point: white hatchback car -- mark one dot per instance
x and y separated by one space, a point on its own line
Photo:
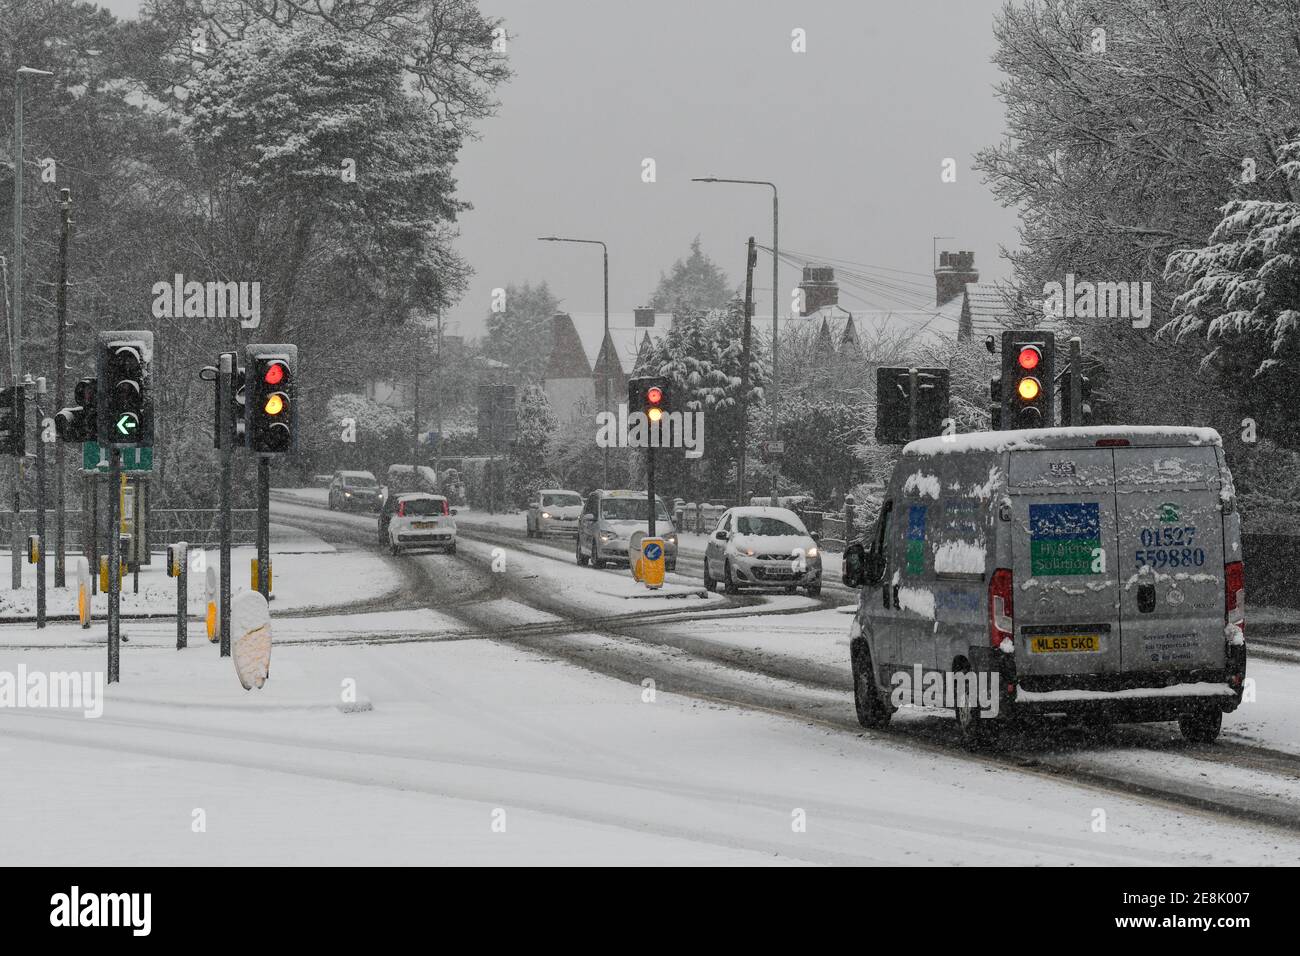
420 520
762 547
553 510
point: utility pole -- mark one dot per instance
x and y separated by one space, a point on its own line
60 363
751 259
1075 398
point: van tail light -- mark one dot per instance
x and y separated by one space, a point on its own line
1112 443
401 509
1001 608
445 507
1234 585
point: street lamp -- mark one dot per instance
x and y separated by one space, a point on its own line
605 339
16 355
776 261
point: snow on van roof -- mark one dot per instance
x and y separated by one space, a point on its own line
1082 437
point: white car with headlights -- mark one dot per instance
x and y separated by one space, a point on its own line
762 547
611 518
553 511
419 520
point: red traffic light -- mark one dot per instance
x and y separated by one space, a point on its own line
274 374
1029 357
654 395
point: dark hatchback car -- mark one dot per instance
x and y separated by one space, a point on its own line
354 491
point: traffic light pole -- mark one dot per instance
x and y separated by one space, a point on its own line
1075 398
16 532
751 260
225 376
264 526
913 382
114 565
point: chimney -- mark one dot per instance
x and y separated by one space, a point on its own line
819 288
954 272
643 318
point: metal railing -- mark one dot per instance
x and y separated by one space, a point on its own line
199 526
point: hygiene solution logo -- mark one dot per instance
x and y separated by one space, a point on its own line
59 690
637 430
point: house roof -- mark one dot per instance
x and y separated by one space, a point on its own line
567 358
626 338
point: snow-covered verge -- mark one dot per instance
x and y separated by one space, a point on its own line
479 753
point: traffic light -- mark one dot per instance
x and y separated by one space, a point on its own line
237 401
269 394
78 422
894 403
651 395
124 407
995 410
1028 379
13 421
1085 390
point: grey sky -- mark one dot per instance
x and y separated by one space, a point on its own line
853 132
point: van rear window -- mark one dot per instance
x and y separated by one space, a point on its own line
1166 467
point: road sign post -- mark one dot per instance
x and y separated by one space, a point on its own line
40 502
225 381
114 565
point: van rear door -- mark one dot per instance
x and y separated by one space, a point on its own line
1170 558
1065 578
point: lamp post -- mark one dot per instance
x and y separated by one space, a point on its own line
605 339
776 262
16 355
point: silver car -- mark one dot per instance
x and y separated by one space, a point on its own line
553 511
762 547
610 518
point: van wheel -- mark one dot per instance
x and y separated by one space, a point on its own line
976 731
577 553
1201 726
728 580
873 710
814 590
710 582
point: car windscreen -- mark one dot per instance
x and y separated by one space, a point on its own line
360 481
764 526
420 506
630 509
560 501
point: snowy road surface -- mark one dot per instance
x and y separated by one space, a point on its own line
502 730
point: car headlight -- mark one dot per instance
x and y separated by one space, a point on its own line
347 494
546 514
671 539
606 535
748 552
811 552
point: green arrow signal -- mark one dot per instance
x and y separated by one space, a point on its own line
126 423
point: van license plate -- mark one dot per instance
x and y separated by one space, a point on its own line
1076 643
424 525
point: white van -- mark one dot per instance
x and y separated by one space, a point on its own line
1095 572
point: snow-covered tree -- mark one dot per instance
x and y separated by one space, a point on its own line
695 283
520 335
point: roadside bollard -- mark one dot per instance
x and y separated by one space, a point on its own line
213 605
178 567
250 625
83 591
